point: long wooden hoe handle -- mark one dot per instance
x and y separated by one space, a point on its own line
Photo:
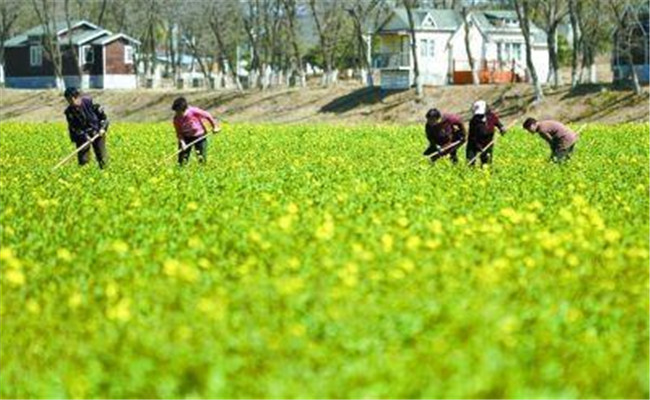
510 125
83 146
444 149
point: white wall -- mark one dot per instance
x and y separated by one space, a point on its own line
541 62
434 68
120 81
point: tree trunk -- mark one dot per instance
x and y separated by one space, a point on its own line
416 69
522 8
50 38
468 49
630 61
71 47
290 9
554 71
575 51
102 10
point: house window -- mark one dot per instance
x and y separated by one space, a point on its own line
427 47
128 54
88 54
516 50
36 56
424 47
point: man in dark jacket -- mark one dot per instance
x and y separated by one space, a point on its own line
86 120
481 133
445 133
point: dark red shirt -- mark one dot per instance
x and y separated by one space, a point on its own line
449 129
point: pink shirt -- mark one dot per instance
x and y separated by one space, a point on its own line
191 123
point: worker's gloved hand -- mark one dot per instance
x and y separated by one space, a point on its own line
216 129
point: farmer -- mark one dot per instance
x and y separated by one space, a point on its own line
86 120
481 133
445 133
561 139
188 122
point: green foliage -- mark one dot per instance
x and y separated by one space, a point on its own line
321 261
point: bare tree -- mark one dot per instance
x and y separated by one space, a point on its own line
195 24
252 20
627 44
71 50
46 13
328 18
222 27
409 5
9 12
102 12
467 24
366 15
553 12
577 41
290 10
523 13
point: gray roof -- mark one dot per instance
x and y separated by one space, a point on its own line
107 39
442 19
77 37
82 37
492 21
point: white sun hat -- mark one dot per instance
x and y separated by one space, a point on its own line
479 107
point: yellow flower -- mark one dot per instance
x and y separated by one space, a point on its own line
387 242
408 266
192 206
15 277
298 330
121 311
435 226
292 208
111 290
511 215
120 247
214 308
64 254
74 300
33 307
350 274
413 243
290 286
285 222
6 253
195 242
326 230
612 235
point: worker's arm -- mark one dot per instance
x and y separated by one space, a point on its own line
101 115
204 115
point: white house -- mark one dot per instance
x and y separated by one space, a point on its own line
434 29
496 45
